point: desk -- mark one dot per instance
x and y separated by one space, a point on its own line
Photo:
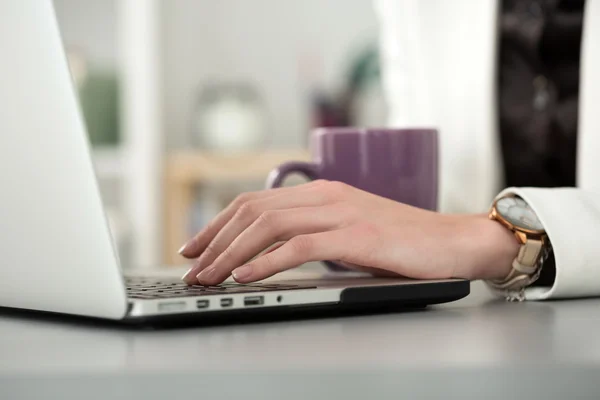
474 348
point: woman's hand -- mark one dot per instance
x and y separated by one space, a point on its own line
325 220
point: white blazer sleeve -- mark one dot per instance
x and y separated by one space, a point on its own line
571 218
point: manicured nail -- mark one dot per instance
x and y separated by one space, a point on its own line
205 274
242 272
188 277
189 246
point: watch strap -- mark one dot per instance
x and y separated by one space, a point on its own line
525 269
527 265
526 261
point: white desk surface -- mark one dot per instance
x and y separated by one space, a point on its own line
478 347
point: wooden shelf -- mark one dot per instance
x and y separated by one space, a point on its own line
185 171
202 167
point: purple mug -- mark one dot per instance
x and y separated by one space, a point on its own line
400 164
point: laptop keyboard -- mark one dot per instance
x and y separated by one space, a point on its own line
153 288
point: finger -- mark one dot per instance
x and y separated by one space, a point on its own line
246 216
273 248
271 227
269 249
195 246
297 251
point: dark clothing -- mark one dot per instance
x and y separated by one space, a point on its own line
538 87
538 83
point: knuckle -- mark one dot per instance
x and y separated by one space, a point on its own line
319 182
213 249
337 189
242 199
272 224
268 220
211 228
348 211
302 244
229 252
247 210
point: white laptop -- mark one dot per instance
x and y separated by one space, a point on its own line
55 245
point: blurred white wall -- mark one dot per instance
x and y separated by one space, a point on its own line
90 25
267 42
283 47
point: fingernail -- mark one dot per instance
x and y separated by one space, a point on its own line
188 276
189 246
242 272
205 274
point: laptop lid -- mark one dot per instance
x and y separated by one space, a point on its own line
56 252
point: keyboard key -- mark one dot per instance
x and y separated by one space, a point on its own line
142 288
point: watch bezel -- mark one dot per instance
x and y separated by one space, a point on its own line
498 217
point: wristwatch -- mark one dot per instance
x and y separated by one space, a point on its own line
516 215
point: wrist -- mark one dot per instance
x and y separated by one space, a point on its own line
488 247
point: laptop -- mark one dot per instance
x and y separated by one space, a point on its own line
57 252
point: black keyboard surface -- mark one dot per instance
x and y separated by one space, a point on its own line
156 288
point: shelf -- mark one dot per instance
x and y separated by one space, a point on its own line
194 167
186 170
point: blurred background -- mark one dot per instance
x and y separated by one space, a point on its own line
190 102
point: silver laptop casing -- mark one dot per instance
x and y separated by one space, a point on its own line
56 247
57 252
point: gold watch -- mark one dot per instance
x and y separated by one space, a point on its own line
516 215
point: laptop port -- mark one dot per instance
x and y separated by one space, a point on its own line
171 306
202 304
254 300
227 302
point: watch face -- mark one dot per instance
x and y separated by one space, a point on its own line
517 212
